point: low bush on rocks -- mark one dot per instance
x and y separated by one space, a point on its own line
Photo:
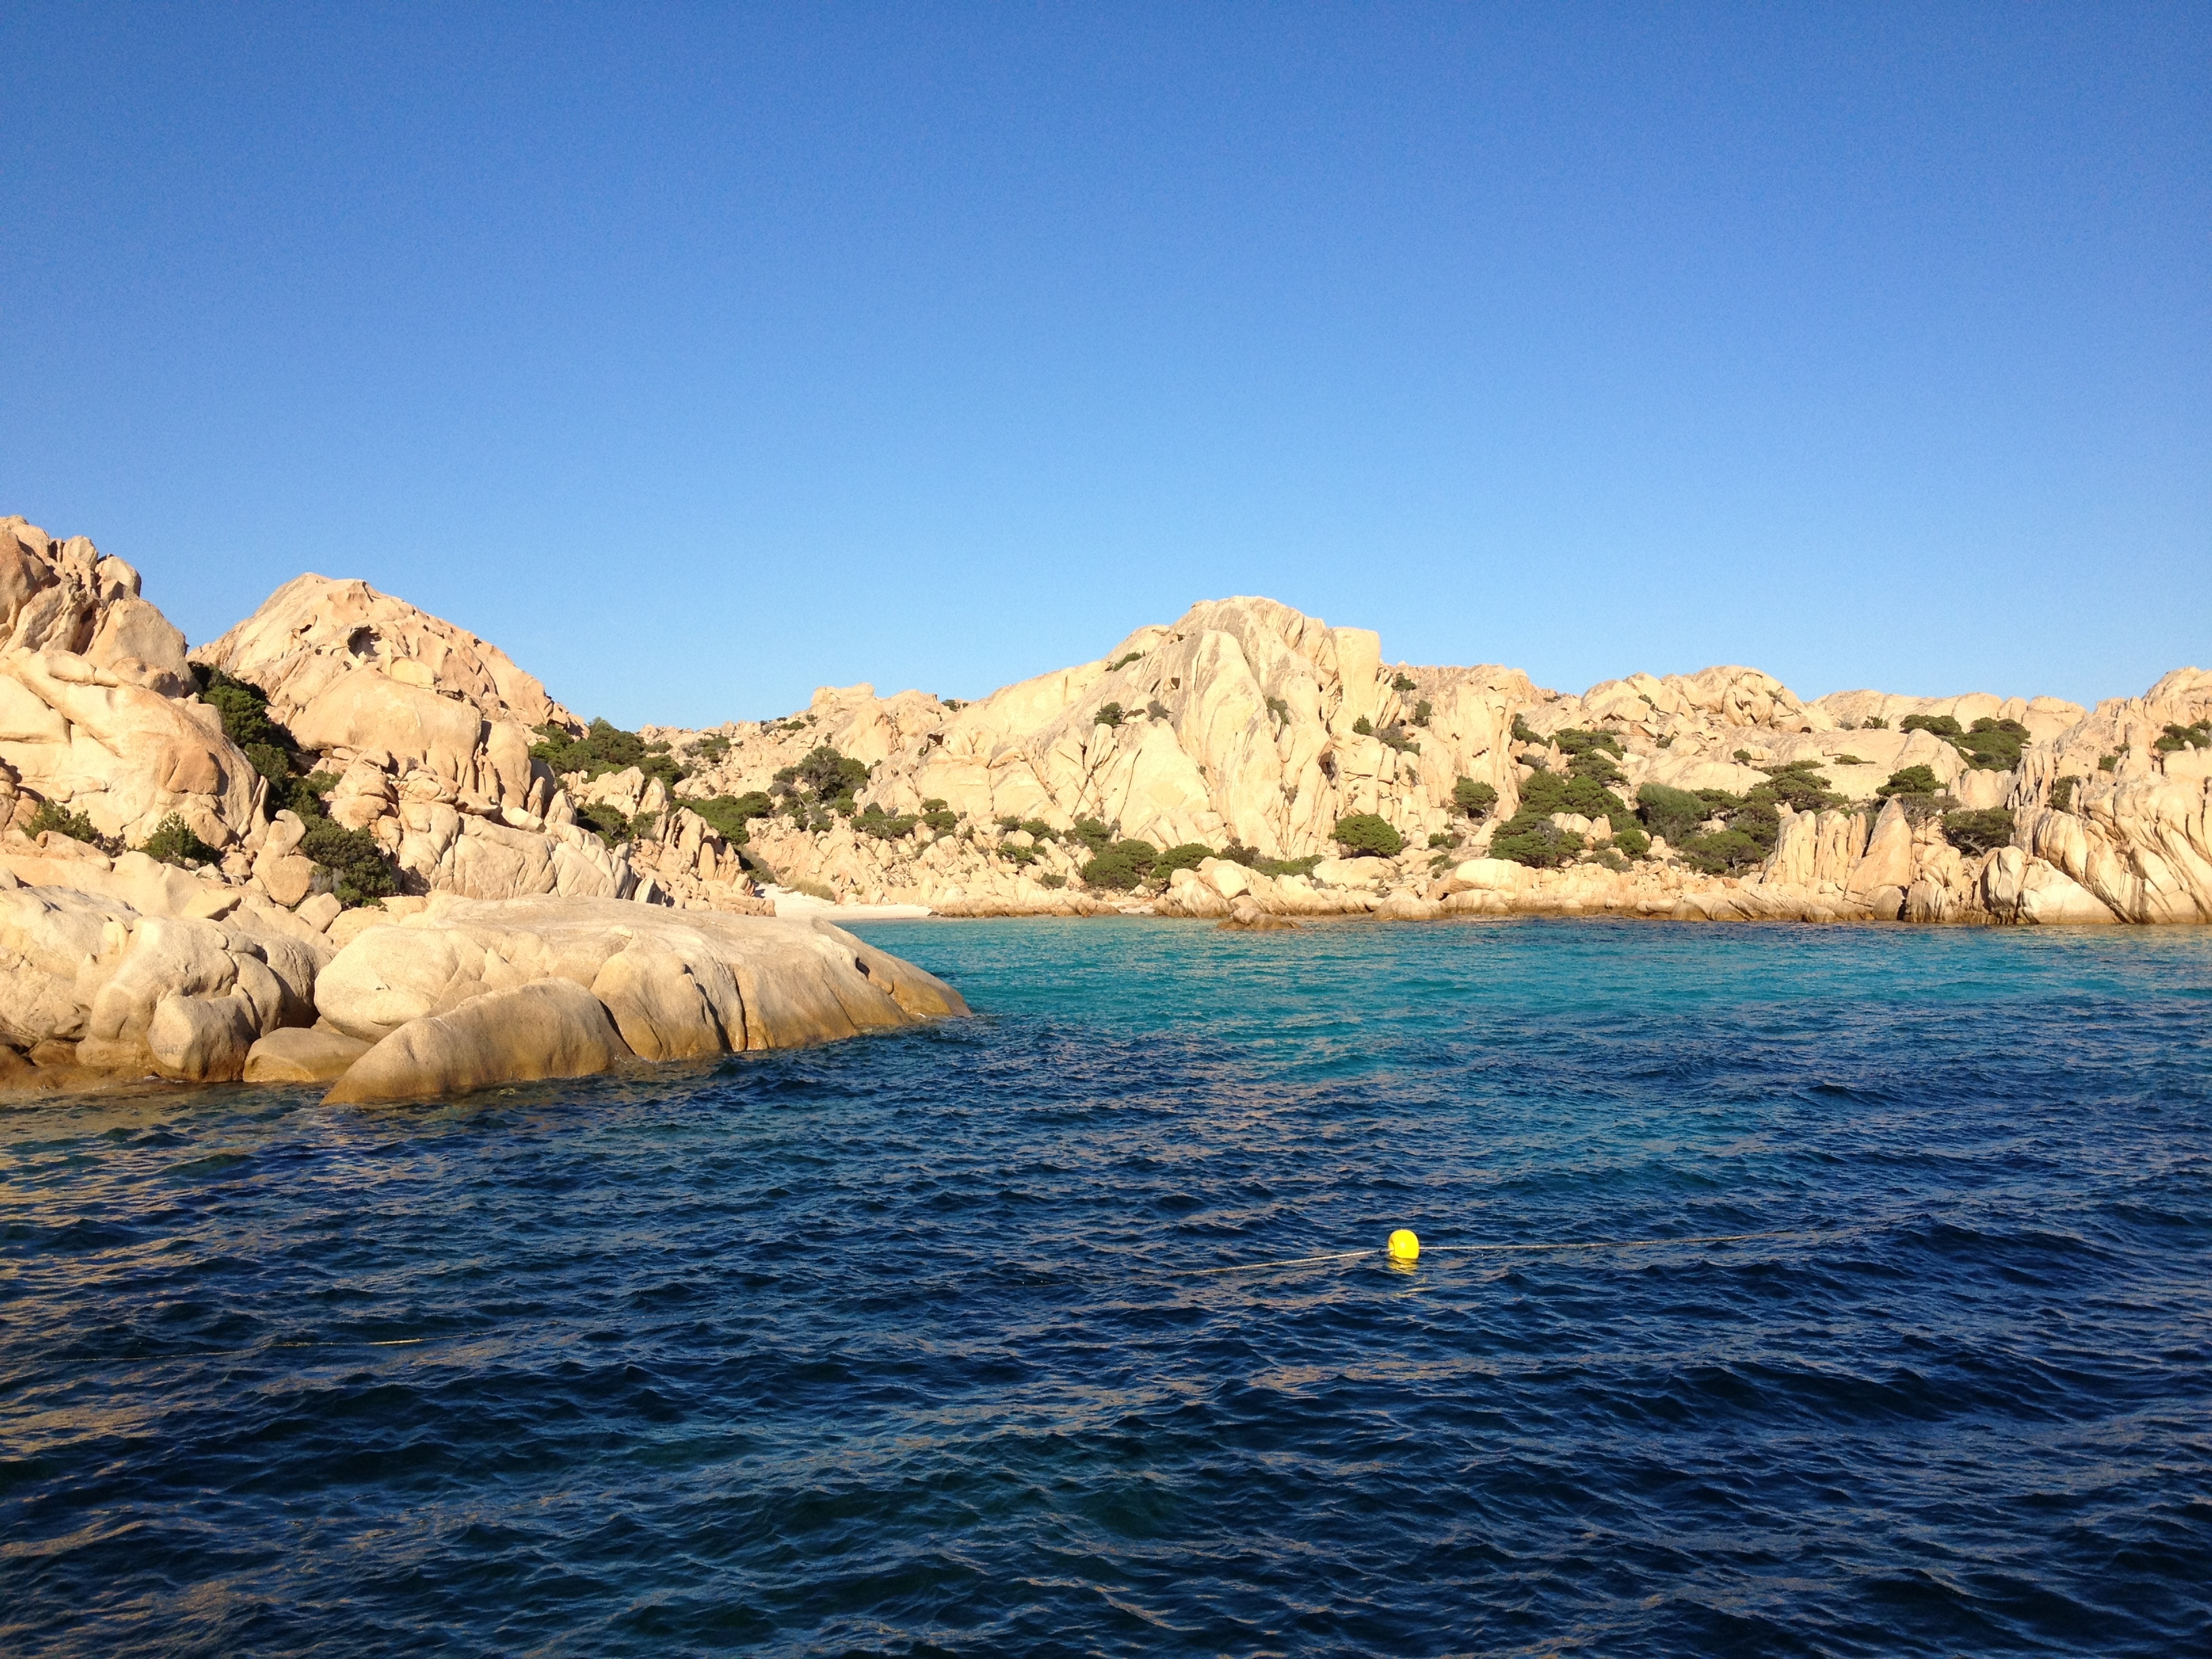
57 819
1801 786
1187 856
710 749
1364 727
1394 736
1108 714
873 820
1423 712
1359 833
1402 684
1910 780
1476 799
2062 794
606 821
1522 733
938 817
2198 736
1990 746
1093 833
729 814
1120 663
1121 866
1535 840
354 861
1304 866
1977 832
604 748
173 842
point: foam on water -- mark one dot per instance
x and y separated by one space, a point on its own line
895 1345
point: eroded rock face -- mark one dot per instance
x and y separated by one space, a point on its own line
97 710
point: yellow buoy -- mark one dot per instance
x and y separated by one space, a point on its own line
1404 1245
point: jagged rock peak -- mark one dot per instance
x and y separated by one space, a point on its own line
316 630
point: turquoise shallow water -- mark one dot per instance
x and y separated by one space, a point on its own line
901 1345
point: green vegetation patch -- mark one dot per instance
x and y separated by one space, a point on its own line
54 817
2198 736
604 748
729 814
1975 832
1360 833
173 842
1477 800
1121 866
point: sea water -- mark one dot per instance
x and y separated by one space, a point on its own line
916 1344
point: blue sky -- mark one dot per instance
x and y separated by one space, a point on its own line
700 356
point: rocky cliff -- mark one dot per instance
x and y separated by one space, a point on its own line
186 846
1249 732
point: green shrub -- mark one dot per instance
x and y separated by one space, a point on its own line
938 817
1673 813
730 813
244 709
1633 841
1188 856
54 817
1394 736
1423 712
1535 842
2062 794
2107 763
1038 829
1121 865
1304 866
1991 745
1109 715
1848 759
1942 725
605 820
873 820
711 749
1361 833
1804 788
1574 740
1873 723
1120 663
2198 736
604 748
1018 855
1977 832
1364 727
1443 838
1093 833
1522 733
1052 881
1280 709
1743 758
1909 781
1402 684
173 842
353 860
1476 799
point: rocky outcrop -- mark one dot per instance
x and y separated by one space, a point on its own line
97 710
1246 725
474 991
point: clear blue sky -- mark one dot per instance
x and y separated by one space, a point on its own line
701 356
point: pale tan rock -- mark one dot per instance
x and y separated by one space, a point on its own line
320 910
661 1008
794 982
296 1055
314 631
194 1039
551 1028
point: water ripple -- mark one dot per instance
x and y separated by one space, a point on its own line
902 1346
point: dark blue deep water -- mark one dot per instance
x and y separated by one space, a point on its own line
902 1346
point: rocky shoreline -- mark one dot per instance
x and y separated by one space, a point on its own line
344 842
